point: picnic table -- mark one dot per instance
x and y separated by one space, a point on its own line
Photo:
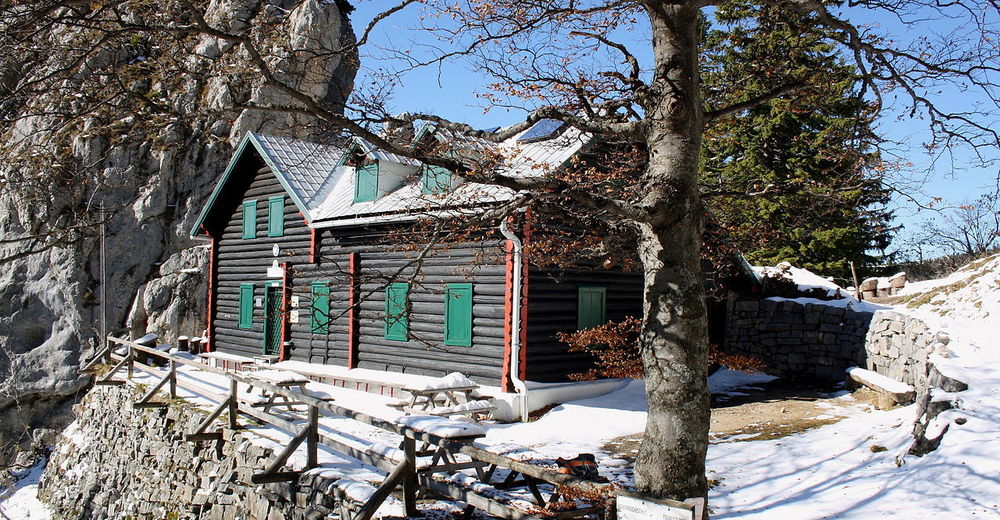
453 394
280 378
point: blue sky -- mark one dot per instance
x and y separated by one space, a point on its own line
449 90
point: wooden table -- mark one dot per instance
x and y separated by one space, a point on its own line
280 378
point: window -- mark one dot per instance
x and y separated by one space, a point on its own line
397 324
590 307
319 322
435 180
276 216
246 305
250 219
458 314
366 182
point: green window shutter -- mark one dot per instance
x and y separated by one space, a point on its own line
319 322
458 314
250 219
276 216
246 305
590 307
397 323
435 180
366 183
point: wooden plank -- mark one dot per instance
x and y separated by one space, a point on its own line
149 404
382 492
280 476
487 505
204 436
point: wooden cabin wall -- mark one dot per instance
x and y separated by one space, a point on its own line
425 353
247 260
552 308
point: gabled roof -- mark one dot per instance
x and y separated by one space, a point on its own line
306 170
322 186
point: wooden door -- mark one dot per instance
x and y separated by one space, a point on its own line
272 320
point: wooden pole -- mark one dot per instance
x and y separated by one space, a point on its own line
312 441
173 379
233 404
410 477
857 284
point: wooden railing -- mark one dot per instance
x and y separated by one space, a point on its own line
556 495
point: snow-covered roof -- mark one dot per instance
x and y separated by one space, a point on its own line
322 185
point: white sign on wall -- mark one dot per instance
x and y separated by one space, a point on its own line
293 316
634 508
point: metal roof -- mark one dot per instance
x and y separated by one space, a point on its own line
322 187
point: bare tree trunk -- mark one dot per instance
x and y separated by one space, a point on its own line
675 333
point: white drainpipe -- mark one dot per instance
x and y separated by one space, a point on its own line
515 319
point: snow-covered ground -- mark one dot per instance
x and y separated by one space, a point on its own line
853 469
21 502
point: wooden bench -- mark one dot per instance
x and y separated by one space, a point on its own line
280 378
889 392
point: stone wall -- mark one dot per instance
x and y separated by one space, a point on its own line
115 462
798 339
898 345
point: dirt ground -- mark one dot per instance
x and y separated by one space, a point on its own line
765 411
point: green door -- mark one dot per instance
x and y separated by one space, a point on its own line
272 320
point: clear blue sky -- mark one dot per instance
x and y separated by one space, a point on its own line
449 90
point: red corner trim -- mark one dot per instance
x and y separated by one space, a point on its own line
283 352
213 282
508 304
313 246
352 311
525 239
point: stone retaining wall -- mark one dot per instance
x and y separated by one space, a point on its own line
798 339
114 462
897 346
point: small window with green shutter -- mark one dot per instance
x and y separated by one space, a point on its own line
276 216
458 314
366 182
250 219
435 180
397 323
590 307
246 305
319 322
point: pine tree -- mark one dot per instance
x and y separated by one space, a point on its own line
796 179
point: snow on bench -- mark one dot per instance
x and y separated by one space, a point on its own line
394 454
359 493
889 390
441 427
452 381
469 408
279 377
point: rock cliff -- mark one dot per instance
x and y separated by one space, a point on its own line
125 107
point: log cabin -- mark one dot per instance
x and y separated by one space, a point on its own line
310 261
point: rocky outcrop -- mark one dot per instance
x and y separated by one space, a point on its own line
149 154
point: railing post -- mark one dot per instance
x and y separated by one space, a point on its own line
173 379
312 441
410 476
233 404
107 351
130 355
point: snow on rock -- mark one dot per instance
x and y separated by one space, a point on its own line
805 279
869 378
20 501
440 426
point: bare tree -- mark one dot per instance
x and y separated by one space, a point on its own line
970 229
568 61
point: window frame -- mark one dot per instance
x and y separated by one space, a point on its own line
397 317
370 169
245 318
319 289
583 312
250 227
448 336
435 173
276 220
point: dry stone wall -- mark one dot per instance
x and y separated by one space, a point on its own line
114 462
897 346
795 339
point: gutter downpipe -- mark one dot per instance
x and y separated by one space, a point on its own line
515 319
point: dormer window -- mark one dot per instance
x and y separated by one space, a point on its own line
365 177
435 180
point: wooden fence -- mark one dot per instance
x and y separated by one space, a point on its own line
555 495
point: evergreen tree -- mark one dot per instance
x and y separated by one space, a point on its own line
798 178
